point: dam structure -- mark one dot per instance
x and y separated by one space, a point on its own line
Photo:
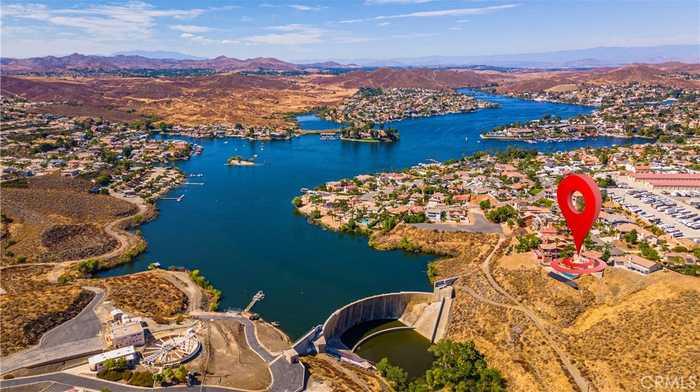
425 312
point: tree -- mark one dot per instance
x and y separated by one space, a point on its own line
648 252
696 252
485 204
631 237
396 376
88 266
502 214
168 374
527 243
181 373
158 379
460 367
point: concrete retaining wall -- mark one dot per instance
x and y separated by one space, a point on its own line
377 307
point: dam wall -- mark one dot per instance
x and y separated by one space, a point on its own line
406 306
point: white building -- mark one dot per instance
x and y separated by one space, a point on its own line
128 353
128 333
637 264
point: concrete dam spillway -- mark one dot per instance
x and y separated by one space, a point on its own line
425 312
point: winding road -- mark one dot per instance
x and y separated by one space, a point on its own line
74 338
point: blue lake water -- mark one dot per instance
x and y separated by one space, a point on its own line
240 229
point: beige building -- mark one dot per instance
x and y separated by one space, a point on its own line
637 264
129 333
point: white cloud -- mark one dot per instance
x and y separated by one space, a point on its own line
302 7
131 20
191 28
456 28
436 13
382 24
292 34
200 39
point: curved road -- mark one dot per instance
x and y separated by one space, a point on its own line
75 337
286 377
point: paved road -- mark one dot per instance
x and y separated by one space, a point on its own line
74 338
95 384
85 325
286 377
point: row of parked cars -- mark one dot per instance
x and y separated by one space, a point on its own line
665 205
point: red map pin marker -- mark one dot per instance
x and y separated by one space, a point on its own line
579 222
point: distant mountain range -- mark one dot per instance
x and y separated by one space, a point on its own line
579 58
159 54
80 62
161 60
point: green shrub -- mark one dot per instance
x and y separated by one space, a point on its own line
88 266
527 243
141 379
502 214
113 375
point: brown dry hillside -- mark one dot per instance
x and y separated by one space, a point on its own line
410 78
222 98
611 330
54 218
658 74
145 294
32 305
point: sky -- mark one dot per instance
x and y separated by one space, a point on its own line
351 29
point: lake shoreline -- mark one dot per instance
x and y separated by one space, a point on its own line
227 245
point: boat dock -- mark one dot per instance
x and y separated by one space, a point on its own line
177 199
259 296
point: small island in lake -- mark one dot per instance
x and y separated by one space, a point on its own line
238 160
367 132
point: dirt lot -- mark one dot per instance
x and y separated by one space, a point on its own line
55 219
328 374
146 294
272 338
227 359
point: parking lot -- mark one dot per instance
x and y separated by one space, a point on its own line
673 216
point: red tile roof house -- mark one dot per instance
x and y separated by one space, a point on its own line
669 180
548 251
